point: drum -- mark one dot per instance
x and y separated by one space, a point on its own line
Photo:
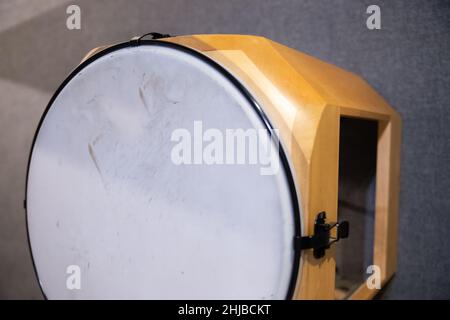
202 167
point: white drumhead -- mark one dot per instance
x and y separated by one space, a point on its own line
107 203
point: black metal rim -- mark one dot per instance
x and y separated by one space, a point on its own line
242 89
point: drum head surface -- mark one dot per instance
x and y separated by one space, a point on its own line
104 195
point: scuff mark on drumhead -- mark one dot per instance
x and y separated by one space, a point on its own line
94 160
144 101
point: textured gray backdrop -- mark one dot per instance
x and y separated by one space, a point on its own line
407 62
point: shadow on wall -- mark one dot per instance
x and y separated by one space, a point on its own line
41 51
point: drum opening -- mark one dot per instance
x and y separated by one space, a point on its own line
356 202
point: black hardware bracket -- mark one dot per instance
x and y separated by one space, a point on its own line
321 240
135 41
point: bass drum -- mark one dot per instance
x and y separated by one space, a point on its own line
202 167
115 211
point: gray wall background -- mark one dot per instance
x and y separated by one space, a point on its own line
407 61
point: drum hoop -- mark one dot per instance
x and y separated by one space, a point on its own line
242 90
